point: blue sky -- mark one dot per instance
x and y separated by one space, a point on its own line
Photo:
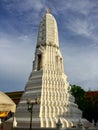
78 38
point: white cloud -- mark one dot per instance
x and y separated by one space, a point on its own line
24 6
16 56
84 28
79 27
81 66
81 6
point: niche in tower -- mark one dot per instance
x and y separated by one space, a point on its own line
39 62
61 64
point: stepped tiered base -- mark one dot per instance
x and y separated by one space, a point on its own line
56 102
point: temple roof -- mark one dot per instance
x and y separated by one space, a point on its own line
6 103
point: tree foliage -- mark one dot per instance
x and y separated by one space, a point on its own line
88 104
79 95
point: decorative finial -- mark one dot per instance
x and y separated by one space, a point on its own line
80 124
48 10
59 124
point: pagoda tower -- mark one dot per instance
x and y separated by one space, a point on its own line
48 82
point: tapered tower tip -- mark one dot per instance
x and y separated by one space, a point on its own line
48 10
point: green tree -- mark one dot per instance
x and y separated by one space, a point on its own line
79 95
88 105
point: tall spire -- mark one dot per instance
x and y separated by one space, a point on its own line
47 42
48 81
48 31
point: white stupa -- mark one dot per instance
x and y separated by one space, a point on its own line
48 81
